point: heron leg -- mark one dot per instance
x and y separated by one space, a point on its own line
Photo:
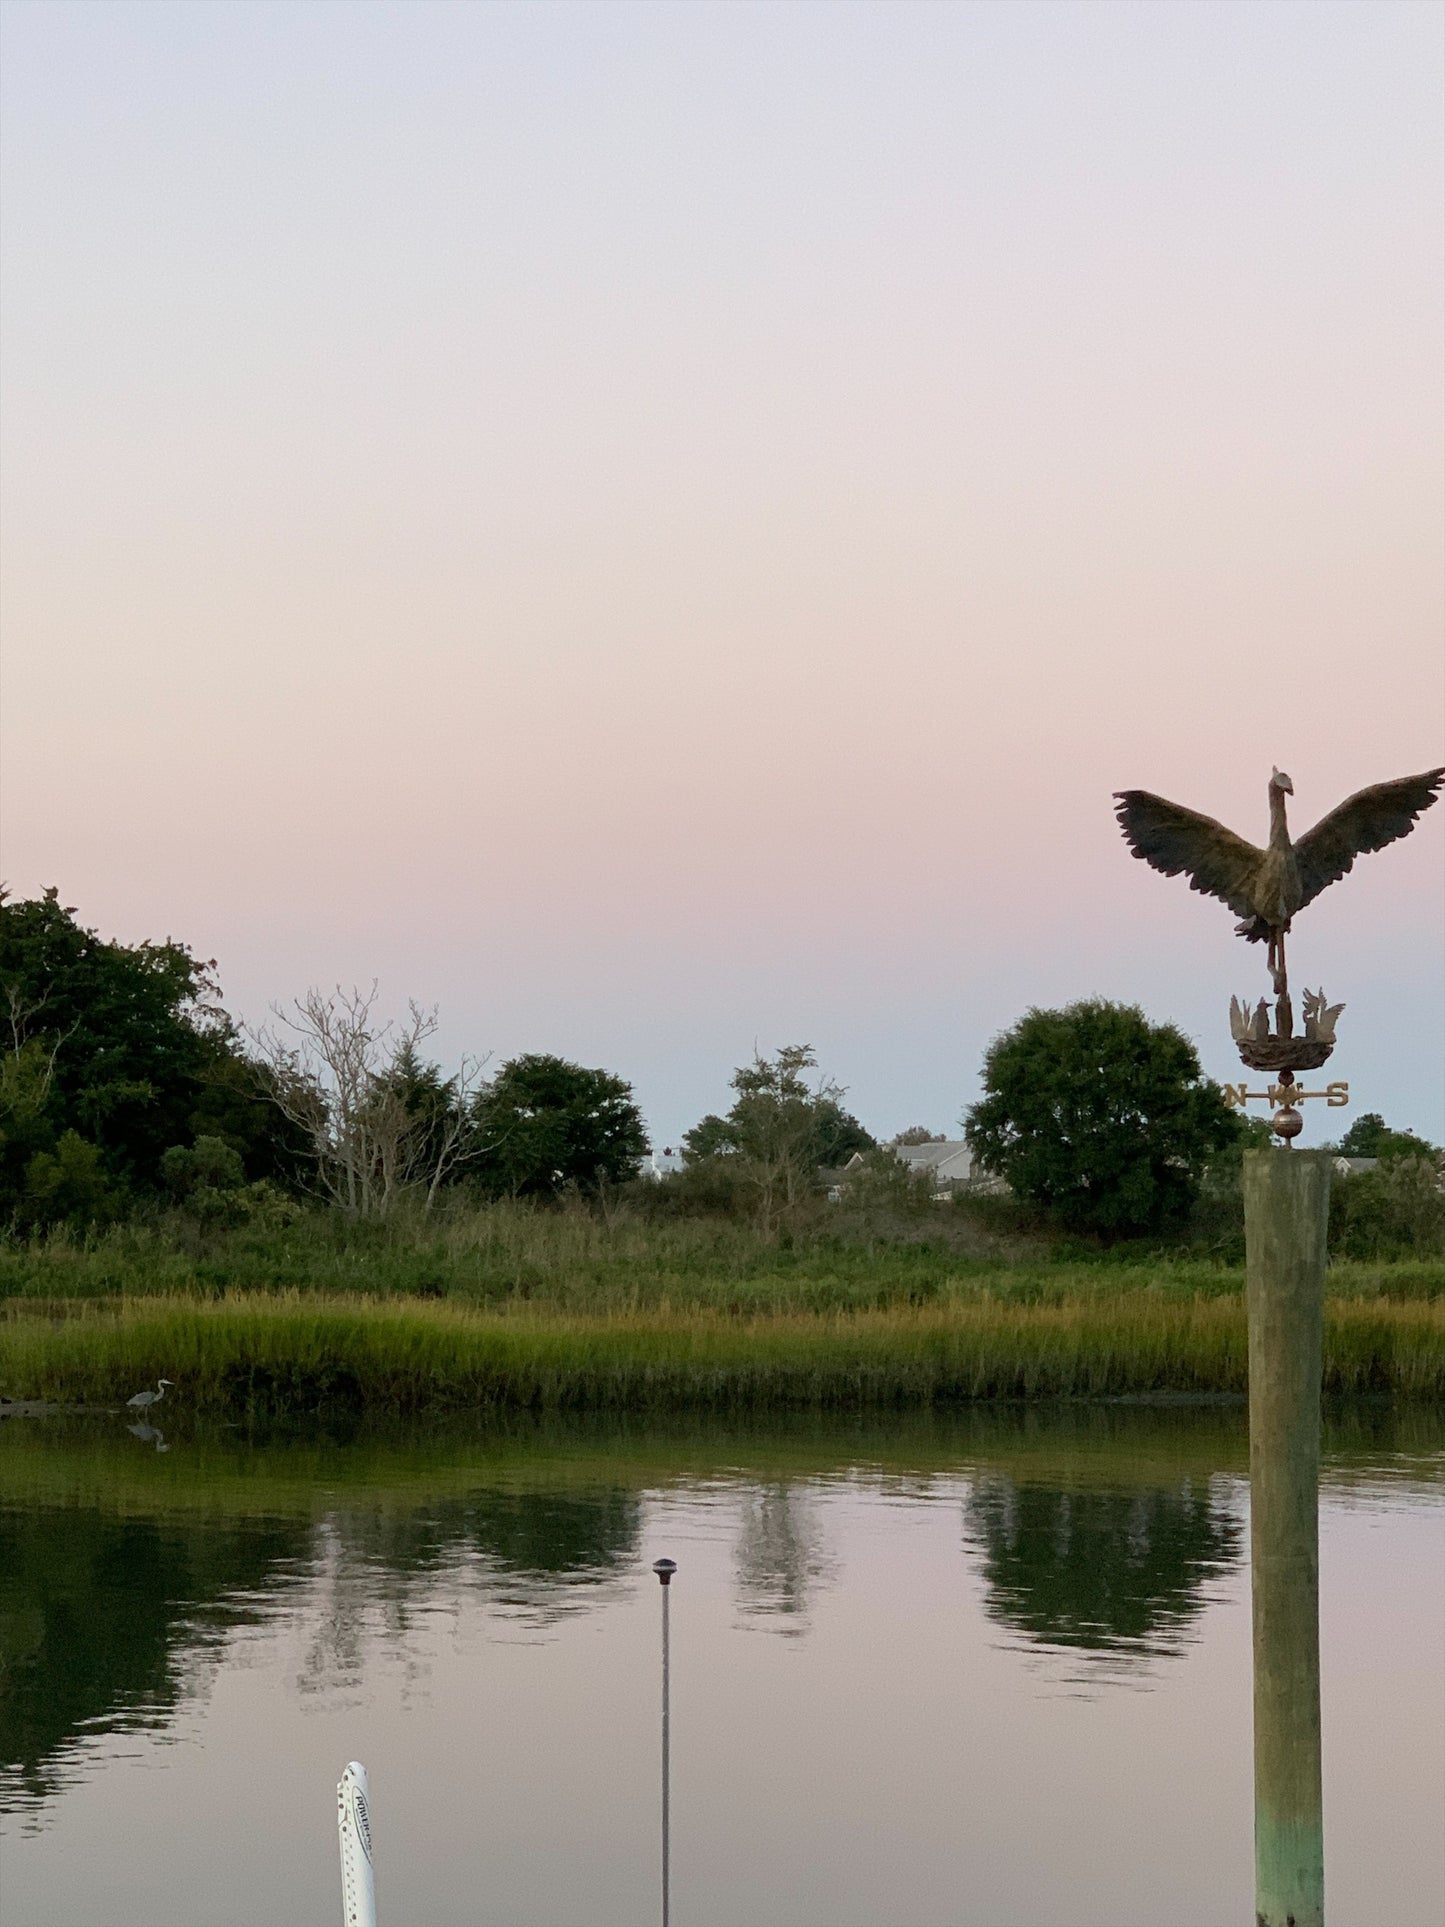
1279 975
1283 1009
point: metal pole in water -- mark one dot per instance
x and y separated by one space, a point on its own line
353 1818
1286 1217
665 1568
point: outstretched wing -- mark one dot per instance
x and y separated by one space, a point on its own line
1170 838
1366 821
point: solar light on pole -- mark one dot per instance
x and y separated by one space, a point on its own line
665 1568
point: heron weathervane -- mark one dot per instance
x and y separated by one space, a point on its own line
1266 889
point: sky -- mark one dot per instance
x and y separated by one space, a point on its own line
659 528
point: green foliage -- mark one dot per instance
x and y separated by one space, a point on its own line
207 1181
637 1254
1394 1145
121 1047
545 1125
67 1184
1252 1134
1363 1136
123 1028
208 1165
707 1186
781 1130
1370 1137
429 1100
1396 1210
1100 1116
883 1186
838 1134
234 1102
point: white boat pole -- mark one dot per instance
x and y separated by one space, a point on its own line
353 1818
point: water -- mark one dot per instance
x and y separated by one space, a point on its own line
989 1670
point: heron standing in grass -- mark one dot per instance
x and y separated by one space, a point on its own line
143 1401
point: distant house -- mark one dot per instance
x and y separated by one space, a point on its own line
1352 1167
660 1164
949 1162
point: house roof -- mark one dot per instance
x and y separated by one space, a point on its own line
928 1157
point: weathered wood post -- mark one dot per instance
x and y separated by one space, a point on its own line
1286 1217
1286 1212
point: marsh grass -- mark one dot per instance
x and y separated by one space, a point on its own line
499 1253
510 1308
506 1254
295 1353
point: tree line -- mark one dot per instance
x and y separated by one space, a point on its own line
125 1085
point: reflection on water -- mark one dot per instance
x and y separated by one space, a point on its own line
547 1548
781 1554
498 1580
99 1614
105 1620
1110 1572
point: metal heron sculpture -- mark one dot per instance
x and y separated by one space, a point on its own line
1267 888
143 1401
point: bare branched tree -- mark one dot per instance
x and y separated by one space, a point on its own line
350 1083
27 1065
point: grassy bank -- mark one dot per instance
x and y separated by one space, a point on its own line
511 1308
571 1261
290 1353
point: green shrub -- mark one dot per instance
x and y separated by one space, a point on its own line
1101 1117
68 1186
208 1164
1396 1210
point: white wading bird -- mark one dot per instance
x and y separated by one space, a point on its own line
143 1401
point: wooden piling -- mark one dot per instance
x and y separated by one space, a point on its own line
1286 1215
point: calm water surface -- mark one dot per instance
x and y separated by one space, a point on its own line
988 1670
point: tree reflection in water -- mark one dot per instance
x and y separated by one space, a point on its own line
1105 1571
780 1555
99 1615
536 1554
104 1620
543 1546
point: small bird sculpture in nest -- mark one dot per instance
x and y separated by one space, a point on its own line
1248 1025
1267 888
1320 1017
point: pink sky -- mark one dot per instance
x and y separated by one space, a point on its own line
660 528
